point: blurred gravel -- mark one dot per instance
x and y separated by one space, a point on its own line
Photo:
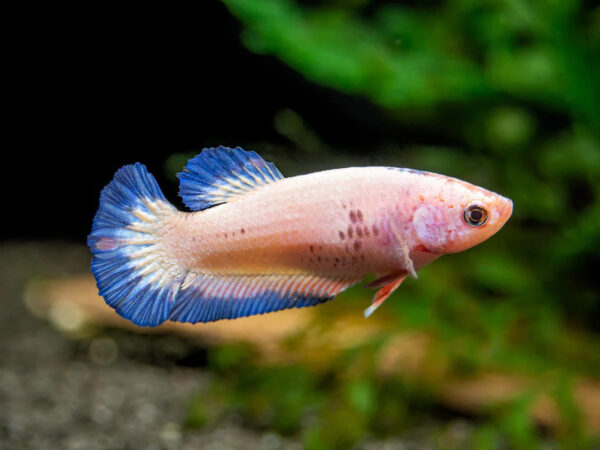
111 390
114 389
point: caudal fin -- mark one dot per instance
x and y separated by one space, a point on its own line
133 273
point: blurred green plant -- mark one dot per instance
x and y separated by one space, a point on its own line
331 408
347 402
421 57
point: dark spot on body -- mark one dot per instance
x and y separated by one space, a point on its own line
375 230
310 260
367 232
342 236
319 259
242 231
350 232
320 247
362 257
312 249
357 245
353 216
225 234
359 214
337 260
359 231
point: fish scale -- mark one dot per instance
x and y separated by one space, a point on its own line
284 220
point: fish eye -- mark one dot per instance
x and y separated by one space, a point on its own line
475 215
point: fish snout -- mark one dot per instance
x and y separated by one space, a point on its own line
506 209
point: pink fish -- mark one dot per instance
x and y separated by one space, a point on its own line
258 242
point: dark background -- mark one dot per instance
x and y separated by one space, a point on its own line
116 87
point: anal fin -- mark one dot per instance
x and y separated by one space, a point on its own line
210 297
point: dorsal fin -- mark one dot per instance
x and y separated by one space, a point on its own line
219 174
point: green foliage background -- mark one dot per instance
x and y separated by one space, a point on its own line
515 85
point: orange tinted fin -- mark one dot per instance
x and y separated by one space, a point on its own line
384 292
382 281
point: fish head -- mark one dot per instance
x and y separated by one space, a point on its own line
452 215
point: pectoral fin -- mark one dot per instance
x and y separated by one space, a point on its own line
408 263
403 253
388 284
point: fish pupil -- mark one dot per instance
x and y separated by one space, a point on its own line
475 215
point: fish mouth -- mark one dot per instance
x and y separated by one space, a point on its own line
506 209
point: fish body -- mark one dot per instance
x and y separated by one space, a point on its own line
259 242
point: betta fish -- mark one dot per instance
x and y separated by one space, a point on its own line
257 242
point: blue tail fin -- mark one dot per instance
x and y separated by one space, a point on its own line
133 273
